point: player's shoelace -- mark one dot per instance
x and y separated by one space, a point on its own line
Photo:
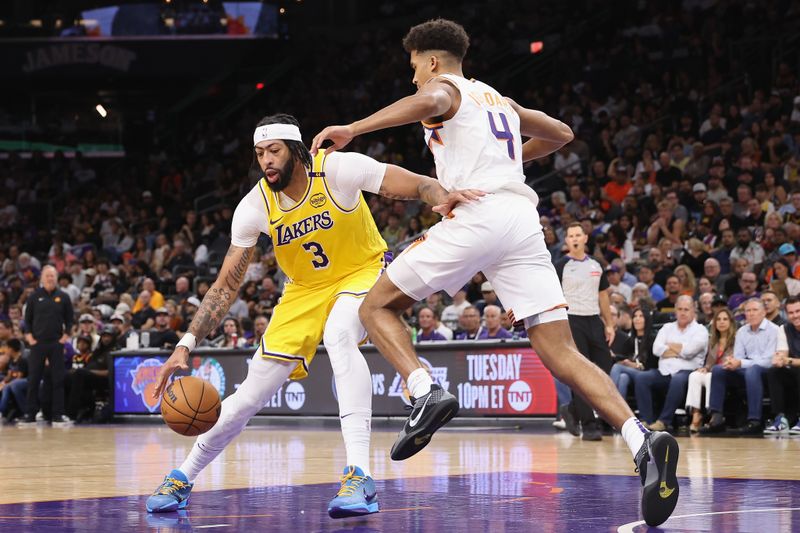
350 483
171 485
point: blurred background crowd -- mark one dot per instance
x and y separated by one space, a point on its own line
683 172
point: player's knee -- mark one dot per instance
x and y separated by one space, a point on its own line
339 336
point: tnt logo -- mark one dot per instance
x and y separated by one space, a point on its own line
295 395
318 200
143 382
520 395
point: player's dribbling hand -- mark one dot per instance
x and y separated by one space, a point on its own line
455 198
177 361
340 136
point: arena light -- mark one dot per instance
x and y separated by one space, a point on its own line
282 10
259 85
101 110
537 46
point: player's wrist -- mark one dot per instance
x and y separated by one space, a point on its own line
188 341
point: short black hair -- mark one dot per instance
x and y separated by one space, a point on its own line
298 150
15 345
438 34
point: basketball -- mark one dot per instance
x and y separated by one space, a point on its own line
190 406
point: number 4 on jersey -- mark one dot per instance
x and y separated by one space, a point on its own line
504 134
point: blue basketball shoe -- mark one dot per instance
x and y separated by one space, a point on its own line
171 495
356 497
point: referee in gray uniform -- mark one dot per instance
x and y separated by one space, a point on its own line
586 290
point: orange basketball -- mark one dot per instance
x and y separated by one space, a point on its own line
190 406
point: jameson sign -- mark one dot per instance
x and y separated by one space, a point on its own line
58 55
488 378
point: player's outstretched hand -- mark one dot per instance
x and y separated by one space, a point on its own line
463 196
340 136
177 361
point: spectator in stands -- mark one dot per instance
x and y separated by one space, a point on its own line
732 284
784 374
66 285
489 297
646 276
181 259
124 329
641 299
6 330
190 309
688 283
665 225
627 278
232 335
260 324
145 316
162 336
155 299
749 285
494 330
772 307
713 272
182 291
747 249
89 375
14 385
469 325
615 282
723 252
636 354
87 327
452 313
661 268
673 290
427 326
753 350
48 321
694 257
720 346
681 348
704 308
781 272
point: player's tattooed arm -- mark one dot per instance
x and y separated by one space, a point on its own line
402 184
223 292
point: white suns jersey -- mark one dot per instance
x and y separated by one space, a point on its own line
481 146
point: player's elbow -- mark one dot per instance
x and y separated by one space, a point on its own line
566 133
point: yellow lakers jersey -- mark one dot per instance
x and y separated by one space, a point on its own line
318 241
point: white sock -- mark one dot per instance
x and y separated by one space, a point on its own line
264 378
356 434
343 331
419 383
633 432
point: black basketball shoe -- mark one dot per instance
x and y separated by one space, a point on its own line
656 461
429 413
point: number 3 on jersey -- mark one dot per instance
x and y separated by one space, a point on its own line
320 259
504 134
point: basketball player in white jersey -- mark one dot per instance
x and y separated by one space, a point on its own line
475 136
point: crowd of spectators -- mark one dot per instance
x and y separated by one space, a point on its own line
685 178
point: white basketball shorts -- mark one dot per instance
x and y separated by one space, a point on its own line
499 235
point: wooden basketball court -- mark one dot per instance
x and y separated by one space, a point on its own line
280 478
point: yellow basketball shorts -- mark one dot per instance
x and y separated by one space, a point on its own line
298 320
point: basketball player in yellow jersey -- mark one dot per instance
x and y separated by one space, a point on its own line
475 135
326 242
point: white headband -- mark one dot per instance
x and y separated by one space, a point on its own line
272 132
